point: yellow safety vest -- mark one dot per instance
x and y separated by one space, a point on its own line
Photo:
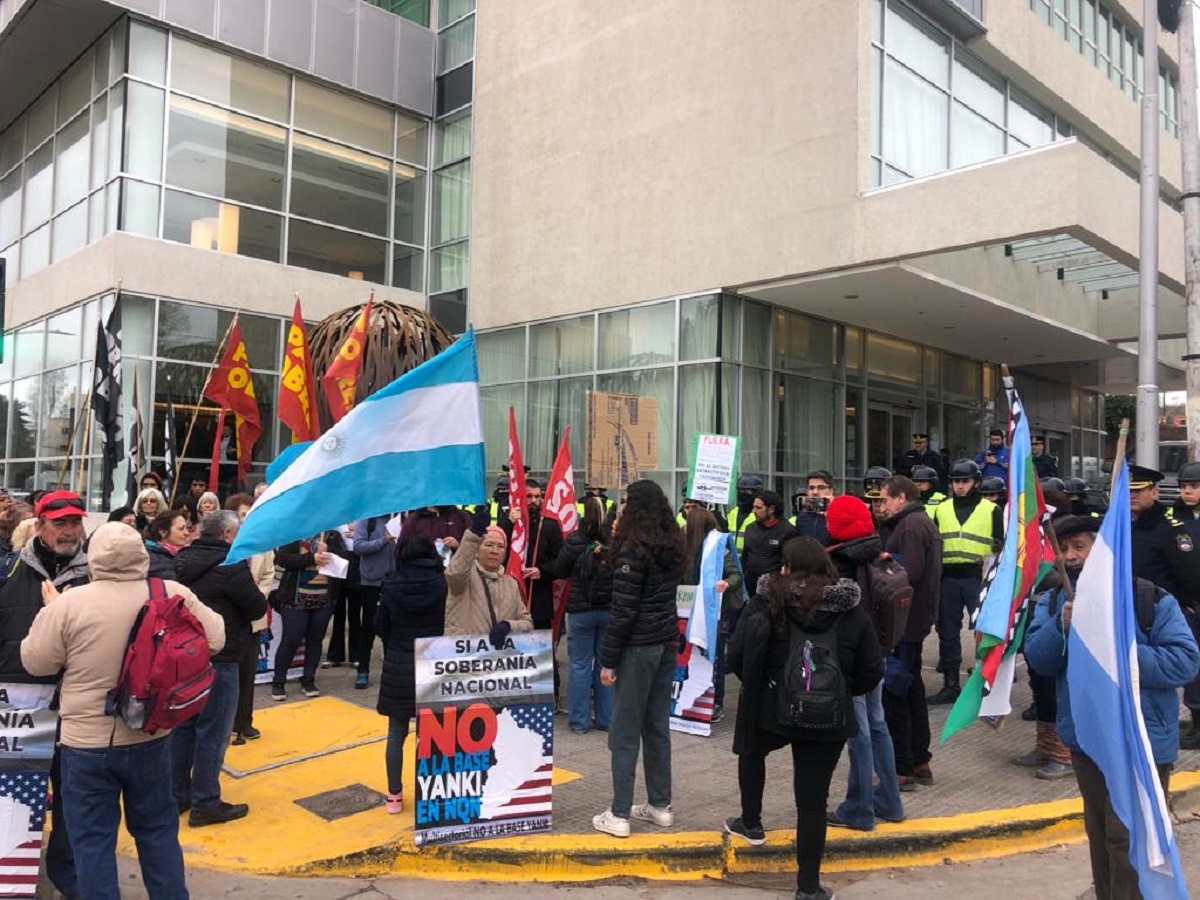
608 505
969 542
737 526
935 499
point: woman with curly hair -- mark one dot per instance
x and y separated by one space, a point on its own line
638 655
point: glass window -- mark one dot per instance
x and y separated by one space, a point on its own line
642 336
1028 121
61 402
456 45
70 231
10 207
854 349
502 358
698 409
656 383
117 57
413 10
322 249
64 344
137 326
973 138
35 251
144 131
553 405
452 139
892 359
147 52
565 347
100 81
412 139
225 154
410 205
451 203
340 185
453 89
229 80
407 265
190 332
915 120
96 216
28 345
116 125
961 377
496 402
756 348
39 181
963 430
40 120
75 88
756 420
139 208
806 424
698 326
343 118
919 45
451 310
99 167
449 267
12 269
12 145
453 10
876 99
978 87
804 344
71 163
22 442
213 225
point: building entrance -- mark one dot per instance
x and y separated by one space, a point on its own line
889 433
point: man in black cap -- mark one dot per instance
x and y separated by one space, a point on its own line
1044 464
1187 511
921 455
1164 552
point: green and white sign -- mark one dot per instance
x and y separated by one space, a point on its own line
715 459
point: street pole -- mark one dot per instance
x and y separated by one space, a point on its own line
1189 141
1147 396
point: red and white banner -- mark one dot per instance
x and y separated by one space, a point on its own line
518 507
560 506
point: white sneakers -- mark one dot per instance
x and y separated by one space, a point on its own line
610 824
662 816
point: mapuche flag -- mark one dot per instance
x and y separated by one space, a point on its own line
297 387
1025 559
106 397
341 378
560 506
518 507
231 386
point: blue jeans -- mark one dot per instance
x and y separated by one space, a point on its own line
60 859
585 633
198 745
96 781
871 753
959 595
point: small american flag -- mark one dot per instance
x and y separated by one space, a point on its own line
532 798
22 794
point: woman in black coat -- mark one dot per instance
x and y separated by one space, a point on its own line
809 596
412 604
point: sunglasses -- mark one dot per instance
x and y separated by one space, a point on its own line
65 503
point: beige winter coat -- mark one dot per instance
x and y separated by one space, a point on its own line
84 632
262 567
466 602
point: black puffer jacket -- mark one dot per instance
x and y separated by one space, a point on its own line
758 654
412 604
21 601
228 590
162 562
644 610
592 579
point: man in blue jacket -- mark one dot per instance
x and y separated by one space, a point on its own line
1167 658
993 459
375 548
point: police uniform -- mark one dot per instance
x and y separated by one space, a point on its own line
1164 550
914 458
1187 515
736 522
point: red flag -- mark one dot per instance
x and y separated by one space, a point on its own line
297 387
560 505
518 506
341 378
231 386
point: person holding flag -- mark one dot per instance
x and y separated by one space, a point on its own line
1101 635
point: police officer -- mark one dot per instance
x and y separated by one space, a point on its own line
810 518
1187 511
994 489
972 528
1053 483
873 491
738 518
1077 492
1164 552
592 490
1044 464
927 480
920 455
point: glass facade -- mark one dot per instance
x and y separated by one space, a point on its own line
47 374
413 10
152 133
803 393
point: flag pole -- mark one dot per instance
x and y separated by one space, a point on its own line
83 463
187 438
69 462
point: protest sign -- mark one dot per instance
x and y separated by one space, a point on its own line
485 737
622 438
713 475
692 692
27 729
268 643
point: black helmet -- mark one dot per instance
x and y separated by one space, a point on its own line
993 484
1053 484
873 481
925 473
966 468
1189 472
502 484
751 483
1077 486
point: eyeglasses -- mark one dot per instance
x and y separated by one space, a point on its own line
62 503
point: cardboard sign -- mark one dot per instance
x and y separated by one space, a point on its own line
692 692
622 438
713 476
485 737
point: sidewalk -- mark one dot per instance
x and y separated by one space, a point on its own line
314 783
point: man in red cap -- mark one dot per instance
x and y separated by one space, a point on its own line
52 562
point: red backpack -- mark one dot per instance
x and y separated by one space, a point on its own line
167 672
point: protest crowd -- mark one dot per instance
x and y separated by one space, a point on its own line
821 613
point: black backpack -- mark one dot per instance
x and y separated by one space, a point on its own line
888 597
812 692
595 575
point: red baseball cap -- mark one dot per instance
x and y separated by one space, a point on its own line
59 505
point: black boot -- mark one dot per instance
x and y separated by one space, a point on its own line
1191 740
949 692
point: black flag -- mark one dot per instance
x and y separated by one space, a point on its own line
137 459
106 398
170 453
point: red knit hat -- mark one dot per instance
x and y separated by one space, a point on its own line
848 519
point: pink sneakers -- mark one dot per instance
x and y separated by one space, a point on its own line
395 803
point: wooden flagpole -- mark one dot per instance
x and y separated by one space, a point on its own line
69 462
187 438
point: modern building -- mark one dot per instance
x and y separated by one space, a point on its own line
819 224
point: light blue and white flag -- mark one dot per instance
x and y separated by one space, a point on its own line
706 612
417 442
1102 672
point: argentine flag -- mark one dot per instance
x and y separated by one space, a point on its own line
1102 671
417 442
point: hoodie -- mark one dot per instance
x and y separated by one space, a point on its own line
84 633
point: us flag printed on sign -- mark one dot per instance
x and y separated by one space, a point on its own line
23 797
526 732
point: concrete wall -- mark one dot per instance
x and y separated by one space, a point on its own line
180 272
